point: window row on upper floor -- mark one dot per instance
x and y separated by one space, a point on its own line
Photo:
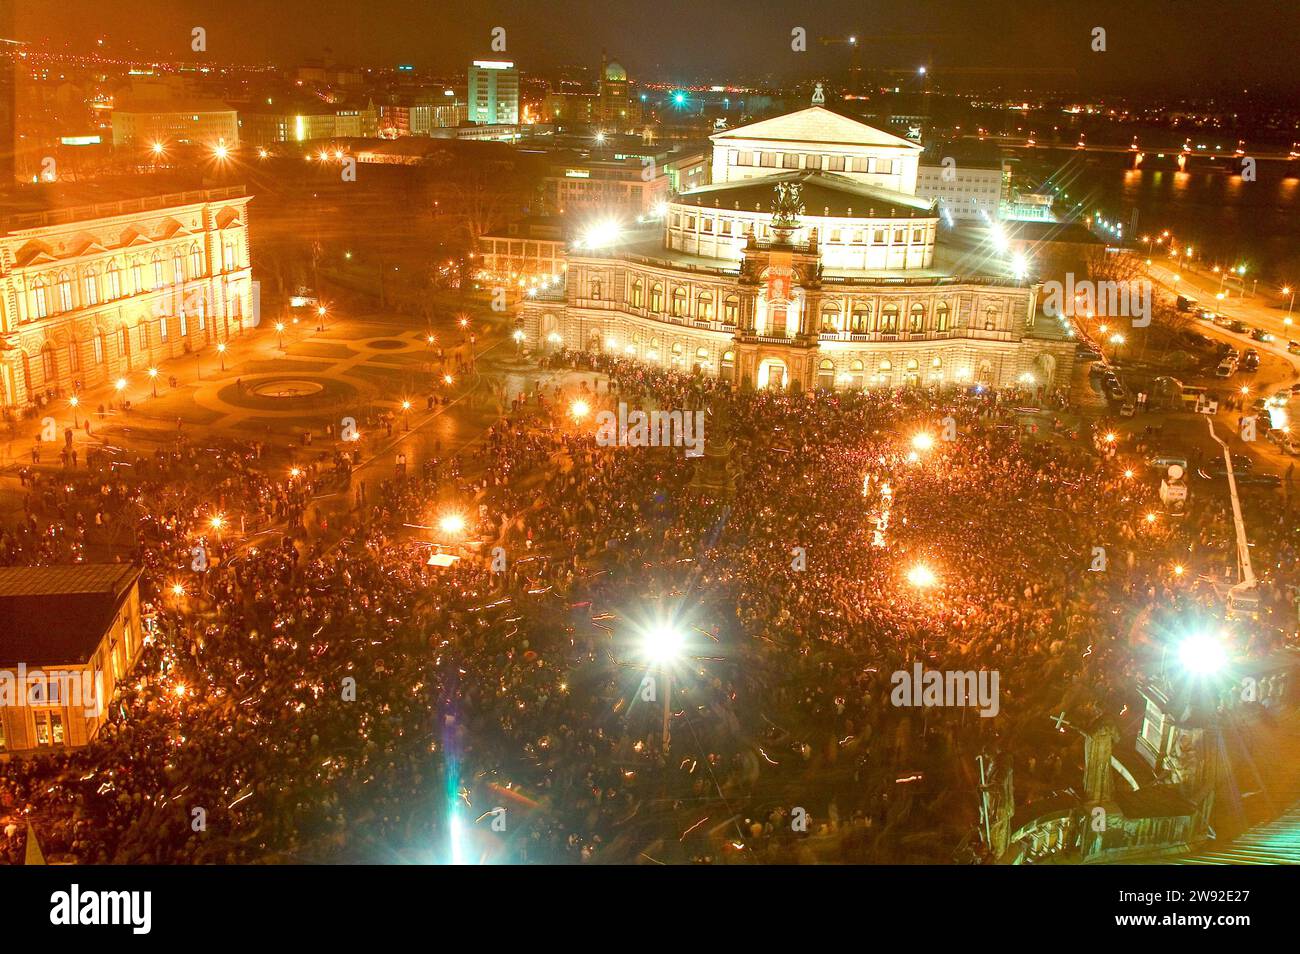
804 160
68 289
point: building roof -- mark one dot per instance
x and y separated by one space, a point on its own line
823 193
57 615
817 125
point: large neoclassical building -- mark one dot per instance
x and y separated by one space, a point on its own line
90 294
808 262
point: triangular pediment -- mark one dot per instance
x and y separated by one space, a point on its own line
34 253
817 124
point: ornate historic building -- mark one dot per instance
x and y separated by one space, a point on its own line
93 293
809 262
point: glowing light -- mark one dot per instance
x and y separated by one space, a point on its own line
579 409
1151 518
663 643
602 234
921 576
153 372
221 151
1178 569
922 442
178 590
1202 654
120 384
217 522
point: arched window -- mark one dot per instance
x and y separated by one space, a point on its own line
679 302
916 317
886 365
158 280
861 318
637 294
114 276
48 368
830 316
889 319
728 357
126 341
40 300
731 309
937 362
137 277
702 353
657 297
941 316
855 366
196 262
912 364
826 374
90 287
704 307
65 292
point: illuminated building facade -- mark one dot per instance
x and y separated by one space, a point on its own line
69 635
202 124
493 92
94 293
809 262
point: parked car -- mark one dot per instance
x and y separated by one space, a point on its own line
1259 334
1226 369
1206 315
1293 347
1238 326
1250 360
1127 409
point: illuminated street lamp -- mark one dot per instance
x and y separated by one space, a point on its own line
119 386
74 402
922 442
279 330
662 646
221 351
1202 654
1290 292
922 577
406 415
579 409
1117 340
153 380
452 524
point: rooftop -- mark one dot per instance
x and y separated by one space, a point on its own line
44 204
823 193
817 125
56 615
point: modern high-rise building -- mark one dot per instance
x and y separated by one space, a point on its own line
493 92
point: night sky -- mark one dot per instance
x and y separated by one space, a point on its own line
1188 46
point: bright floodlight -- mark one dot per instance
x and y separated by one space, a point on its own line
922 441
663 643
602 234
999 238
579 409
1019 266
921 576
452 523
1202 654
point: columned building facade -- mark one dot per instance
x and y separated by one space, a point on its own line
91 294
803 278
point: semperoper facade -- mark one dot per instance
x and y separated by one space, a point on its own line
808 262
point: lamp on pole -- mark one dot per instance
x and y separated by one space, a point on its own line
153 380
221 350
74 402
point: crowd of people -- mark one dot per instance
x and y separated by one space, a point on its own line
458 668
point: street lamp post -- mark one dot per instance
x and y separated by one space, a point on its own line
153 380
221 350
74 401
279 330
406 415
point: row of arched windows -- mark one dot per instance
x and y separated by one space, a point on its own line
705 305
53 294
862 320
